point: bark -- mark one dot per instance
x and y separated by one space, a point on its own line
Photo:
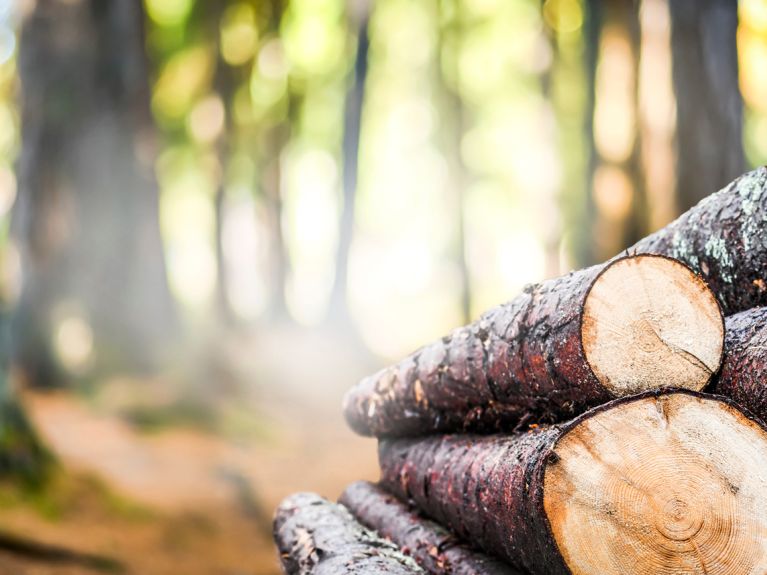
577 499
486 489
318 537
87 212
524 357
744 370
434 548
709 116
723 238
528 359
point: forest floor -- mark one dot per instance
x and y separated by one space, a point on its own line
186 498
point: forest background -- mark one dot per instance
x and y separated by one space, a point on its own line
216 216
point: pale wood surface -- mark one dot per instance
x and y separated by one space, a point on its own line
650 322
666 485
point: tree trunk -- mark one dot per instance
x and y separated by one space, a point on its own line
453 127
554 351
724 239
617 166
87 211
431 545
744 369
274 142
224 84
224 310
583 242
338 309
659 483
635 227
277 138
709 113
316 536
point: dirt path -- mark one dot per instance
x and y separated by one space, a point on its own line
207 499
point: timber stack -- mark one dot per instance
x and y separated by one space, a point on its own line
609 421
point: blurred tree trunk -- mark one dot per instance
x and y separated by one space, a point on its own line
224 310
635 226
709 143
224 84
87 211
338 310
584 251
274 141
617 180
454 126
459 180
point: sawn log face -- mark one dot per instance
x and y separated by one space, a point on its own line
660 483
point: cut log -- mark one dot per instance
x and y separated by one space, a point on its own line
744 370
724 238
317 537
661 483
434 548
564 345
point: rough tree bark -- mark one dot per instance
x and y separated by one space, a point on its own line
315 536
723 238
434 548
709 112
87 212
744 369
559 348
658 483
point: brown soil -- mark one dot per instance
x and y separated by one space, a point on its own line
184 500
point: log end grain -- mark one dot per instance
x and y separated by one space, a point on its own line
648 322
660 485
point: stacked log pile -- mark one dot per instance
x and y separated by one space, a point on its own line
609 421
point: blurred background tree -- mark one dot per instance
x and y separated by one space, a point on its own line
467 146
315 156
233 198
86 216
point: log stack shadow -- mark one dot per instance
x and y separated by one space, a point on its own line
608 421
